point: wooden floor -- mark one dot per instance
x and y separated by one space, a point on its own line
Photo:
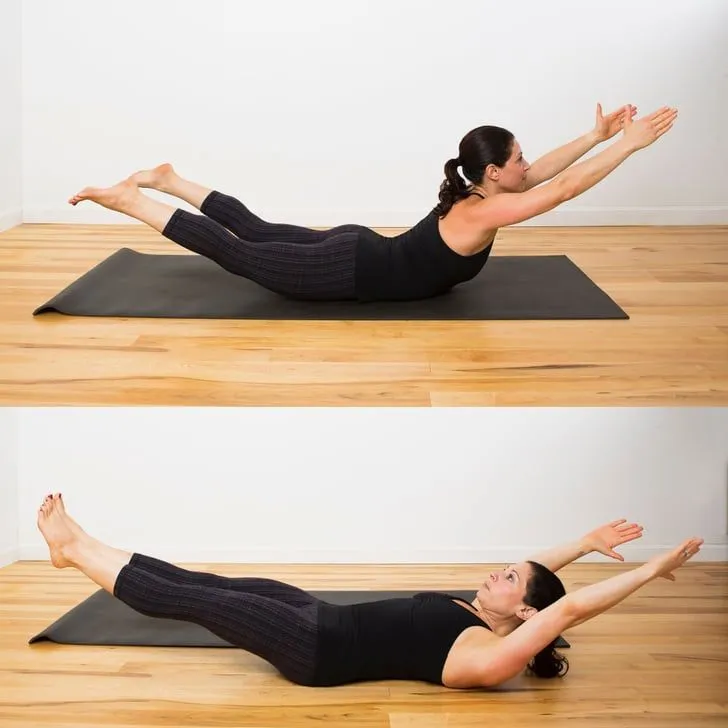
660 659
673 282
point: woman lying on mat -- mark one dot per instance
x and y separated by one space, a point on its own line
512 624
351 262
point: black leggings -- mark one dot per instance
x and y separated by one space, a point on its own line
273 620
293 261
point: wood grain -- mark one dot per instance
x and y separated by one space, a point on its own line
660 659
672 281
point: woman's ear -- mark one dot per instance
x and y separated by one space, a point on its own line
492 172
525 612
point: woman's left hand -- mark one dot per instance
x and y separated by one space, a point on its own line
607 126
605 538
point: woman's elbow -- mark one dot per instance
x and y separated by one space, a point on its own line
572 610
500 672
565 189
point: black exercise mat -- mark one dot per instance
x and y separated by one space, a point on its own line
131 284
102 619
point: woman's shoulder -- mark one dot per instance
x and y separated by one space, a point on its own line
466 663
462 229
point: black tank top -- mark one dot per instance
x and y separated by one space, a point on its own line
404 638
414 265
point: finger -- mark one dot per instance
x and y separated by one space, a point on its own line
628 531
690 548
662 128
662 123
617 522
624 526
665 115
656 120
631 528
631 537
656 112
661 114
615 555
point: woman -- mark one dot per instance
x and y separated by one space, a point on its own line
351 262
513 622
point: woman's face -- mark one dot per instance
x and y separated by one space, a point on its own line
504 590
513 174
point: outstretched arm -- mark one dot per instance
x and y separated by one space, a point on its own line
510 208
603 539
513 653
548 166
558 160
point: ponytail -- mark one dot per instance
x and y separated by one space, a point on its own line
549 663
452 189
543 589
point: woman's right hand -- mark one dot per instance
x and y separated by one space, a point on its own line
663 565
643 132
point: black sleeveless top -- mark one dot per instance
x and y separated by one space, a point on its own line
416 264
403 638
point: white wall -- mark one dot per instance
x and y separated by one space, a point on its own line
11 204
359 485
329 112
8 486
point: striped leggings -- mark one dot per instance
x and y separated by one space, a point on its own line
273 620
293 261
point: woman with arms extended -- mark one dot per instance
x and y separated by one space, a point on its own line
352 262
511 625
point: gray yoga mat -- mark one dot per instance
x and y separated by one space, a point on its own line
102 619
132 284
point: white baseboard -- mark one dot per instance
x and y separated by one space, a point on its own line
713 552
576 217
10 219
9 556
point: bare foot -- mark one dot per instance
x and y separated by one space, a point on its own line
59 536
120 197
155 179
62 508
